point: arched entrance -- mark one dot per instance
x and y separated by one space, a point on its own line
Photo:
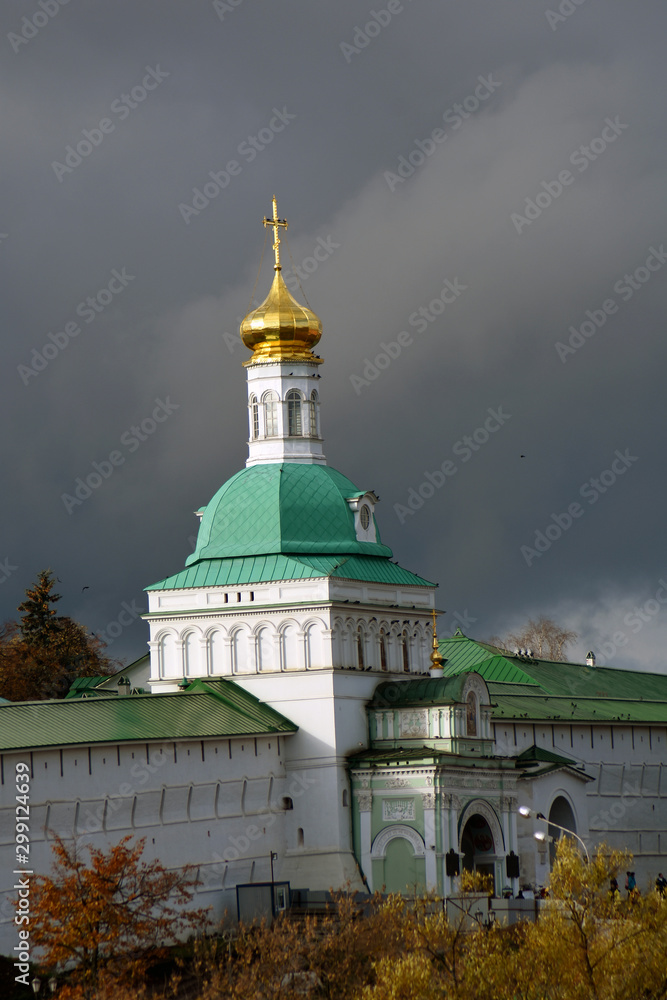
398 860
481 840
561 813
478 846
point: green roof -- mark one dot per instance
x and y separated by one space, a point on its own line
84 685
539 707
264 569
205 709
426 754
282 508
530 688
424 691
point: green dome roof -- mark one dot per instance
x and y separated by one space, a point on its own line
282 508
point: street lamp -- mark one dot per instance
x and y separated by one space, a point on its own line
542 837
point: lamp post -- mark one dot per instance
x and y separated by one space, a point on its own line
543 837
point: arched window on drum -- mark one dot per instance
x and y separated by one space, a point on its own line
314 414
294 416
271 413
253 407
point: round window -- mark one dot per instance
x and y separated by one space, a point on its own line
365 517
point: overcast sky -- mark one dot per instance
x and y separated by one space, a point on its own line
484 183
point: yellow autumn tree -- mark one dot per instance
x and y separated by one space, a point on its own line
101 920
586 945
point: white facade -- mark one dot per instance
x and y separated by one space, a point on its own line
625 805
284 413
218 804
314 650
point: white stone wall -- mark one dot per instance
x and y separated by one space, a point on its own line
626 804
216 804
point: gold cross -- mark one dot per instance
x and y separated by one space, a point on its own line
276 223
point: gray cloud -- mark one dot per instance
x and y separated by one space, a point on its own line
355 121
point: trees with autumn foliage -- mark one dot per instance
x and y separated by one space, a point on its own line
586 945
104 917
41 654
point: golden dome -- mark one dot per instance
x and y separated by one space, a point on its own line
281 328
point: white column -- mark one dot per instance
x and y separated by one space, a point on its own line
429 840
365 801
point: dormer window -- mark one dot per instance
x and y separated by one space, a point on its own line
363 505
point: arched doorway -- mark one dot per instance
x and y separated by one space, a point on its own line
561 813
398 858
478 846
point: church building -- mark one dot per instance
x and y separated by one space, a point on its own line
298 720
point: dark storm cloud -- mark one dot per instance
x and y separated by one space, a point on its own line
516 154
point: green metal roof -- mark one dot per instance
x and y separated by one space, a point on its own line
205 709
424 691
540 755
528 688
83 685
540 707
239 571
425 755
285 508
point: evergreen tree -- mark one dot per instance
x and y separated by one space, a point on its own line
42 654
39 623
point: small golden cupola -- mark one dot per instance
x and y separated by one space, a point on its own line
437 659
280 329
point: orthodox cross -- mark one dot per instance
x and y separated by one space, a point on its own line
276 223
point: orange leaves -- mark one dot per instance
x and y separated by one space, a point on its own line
108 915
